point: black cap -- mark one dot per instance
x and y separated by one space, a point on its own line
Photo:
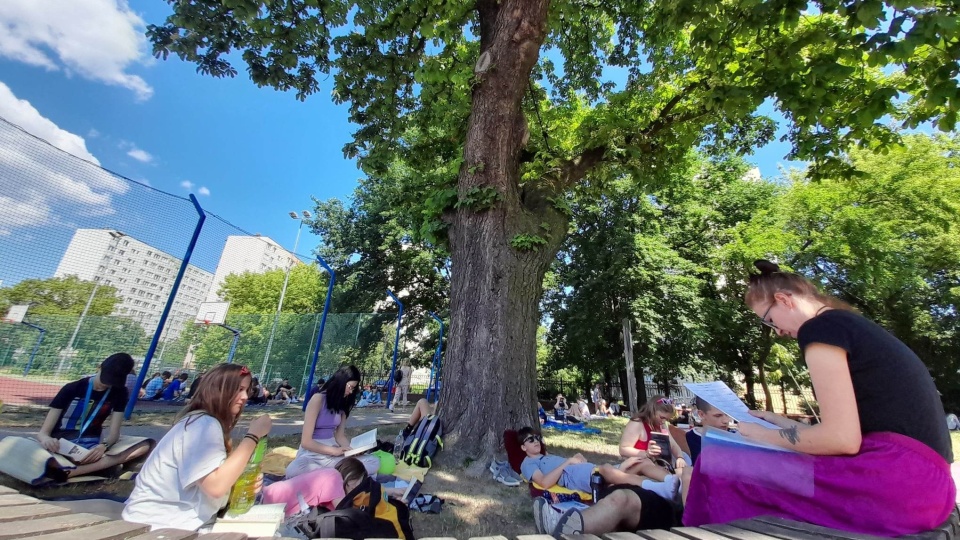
114 370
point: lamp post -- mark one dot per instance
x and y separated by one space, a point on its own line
283 292
69 352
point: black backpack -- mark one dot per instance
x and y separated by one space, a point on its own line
423 443
366 513
398 376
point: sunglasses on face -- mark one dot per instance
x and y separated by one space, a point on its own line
532 438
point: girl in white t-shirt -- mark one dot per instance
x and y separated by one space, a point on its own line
187 478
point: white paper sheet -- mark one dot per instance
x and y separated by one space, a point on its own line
722 397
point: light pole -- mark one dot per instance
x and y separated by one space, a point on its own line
68 352
283 292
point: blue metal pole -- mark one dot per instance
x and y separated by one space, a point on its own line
323 323
396 347
36 346
201 217
434 386
233 346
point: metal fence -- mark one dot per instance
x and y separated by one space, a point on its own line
104 264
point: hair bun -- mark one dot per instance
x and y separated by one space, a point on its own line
766 267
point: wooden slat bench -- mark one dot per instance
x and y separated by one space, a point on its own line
22 516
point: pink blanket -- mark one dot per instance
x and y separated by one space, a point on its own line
894 486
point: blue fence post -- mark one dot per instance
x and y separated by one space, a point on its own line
396 347
36 345
233 345
202 216
433 387
323 323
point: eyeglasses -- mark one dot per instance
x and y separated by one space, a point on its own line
764 318
665 400
531 438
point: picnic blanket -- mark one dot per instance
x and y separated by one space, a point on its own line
24 459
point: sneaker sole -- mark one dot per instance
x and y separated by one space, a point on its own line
538 505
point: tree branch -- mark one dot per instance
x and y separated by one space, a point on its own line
575 169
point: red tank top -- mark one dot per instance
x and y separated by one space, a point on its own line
642 445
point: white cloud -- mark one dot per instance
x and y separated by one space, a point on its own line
204 191
97 39
140 155
93 134
23 114
40 184
187 185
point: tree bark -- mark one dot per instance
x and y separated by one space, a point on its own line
490 370
766 342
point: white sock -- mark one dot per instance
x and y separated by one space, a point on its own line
666 489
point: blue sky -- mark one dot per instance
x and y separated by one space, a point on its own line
250 154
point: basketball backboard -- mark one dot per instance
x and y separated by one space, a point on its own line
212 312
16 313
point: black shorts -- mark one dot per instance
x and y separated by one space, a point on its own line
655 511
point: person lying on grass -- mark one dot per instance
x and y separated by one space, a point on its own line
574 472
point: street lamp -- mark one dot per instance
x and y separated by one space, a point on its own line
68 352
283 292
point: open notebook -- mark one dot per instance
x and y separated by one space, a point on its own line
260 520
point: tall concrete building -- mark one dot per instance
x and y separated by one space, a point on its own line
142 274
254 254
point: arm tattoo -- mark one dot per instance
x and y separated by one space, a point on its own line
791 434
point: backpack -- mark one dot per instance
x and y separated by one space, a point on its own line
423 442
366 512
398 376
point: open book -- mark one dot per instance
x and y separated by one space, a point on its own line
73 451
363 442
261 520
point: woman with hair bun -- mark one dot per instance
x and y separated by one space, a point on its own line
879 461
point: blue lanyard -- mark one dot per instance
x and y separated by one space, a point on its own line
88 413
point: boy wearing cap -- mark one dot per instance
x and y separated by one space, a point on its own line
79 409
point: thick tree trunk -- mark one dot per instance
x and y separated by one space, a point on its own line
490 369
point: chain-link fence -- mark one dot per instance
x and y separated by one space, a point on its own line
89 262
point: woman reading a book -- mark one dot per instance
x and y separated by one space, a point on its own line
324 441
188 477
879 461
637 441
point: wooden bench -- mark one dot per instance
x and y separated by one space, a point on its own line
22 516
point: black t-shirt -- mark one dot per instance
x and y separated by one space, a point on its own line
70 402
893 389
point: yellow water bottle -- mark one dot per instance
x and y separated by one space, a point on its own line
244 493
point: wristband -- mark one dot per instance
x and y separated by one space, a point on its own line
252 437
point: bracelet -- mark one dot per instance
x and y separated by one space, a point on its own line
252 437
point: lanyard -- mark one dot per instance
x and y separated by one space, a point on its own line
88 413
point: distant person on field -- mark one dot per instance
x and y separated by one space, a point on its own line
258 394
195 384
175 388
79 409
285 392
614 408
879 461
403 387
154 386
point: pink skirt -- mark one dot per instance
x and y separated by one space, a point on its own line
895 486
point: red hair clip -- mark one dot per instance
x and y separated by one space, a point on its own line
244 371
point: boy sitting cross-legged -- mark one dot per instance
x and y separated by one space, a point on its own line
574 472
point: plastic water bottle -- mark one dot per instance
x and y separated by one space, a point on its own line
596 482
244 493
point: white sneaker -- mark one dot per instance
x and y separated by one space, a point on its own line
551 520
504 478
539 504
